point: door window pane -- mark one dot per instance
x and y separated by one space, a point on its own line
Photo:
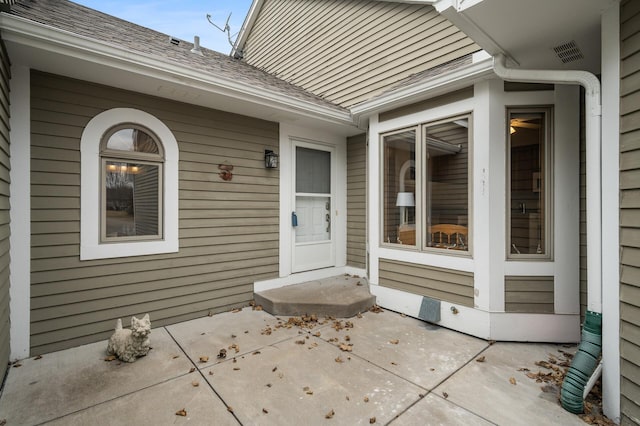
399 188
528 176
313 171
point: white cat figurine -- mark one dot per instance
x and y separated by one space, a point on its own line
127 344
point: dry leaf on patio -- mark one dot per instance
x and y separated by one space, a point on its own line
366 399
376 309
339 360
182 413
256 353
175 356
300 342
236 310
345 347
445 395
330 414
108 359
274 369
192 369
480 359
236 368
512 380
235 347
372 420
394 363
230 409
359 315
264 410
211 373
210 314
38 357
394 341
222 354
347 338
204 358
195 384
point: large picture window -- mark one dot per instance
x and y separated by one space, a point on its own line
426 186
529 180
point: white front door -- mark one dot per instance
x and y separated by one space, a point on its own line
313 241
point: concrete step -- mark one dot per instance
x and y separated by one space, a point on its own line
340 297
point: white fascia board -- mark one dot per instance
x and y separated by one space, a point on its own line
422 90
29 33
247 26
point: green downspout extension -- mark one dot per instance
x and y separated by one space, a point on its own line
583 364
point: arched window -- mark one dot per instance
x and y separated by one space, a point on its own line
129 194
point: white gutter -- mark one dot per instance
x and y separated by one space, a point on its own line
247 25
33 34
457 79
593 112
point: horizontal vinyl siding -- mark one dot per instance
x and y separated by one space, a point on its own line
5 321
438 283
529 294
348 51
228 230
630 212
356 201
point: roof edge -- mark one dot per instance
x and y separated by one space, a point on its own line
425 89
34 34
247 25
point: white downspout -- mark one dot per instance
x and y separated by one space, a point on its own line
593 137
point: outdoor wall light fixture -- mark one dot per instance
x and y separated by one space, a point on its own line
270 159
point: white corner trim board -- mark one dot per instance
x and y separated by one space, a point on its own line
90 246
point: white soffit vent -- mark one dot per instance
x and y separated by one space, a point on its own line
568 52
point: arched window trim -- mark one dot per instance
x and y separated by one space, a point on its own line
91 144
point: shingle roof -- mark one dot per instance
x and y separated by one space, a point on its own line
90 23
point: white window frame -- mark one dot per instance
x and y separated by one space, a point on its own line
90 187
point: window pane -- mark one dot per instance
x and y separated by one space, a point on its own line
399 188
313 171
133 140
527 170
447 190
131 199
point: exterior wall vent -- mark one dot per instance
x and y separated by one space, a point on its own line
568 52
174 41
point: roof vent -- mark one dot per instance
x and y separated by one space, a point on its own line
174 41
196 46
568 52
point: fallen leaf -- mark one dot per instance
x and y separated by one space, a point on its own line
264 410
346 348
175 356
222 354
195 384
523 369
108 359
480 359
268 385
376 309
233 336
274 369
236 368
235 347
210 314
372 420
300 342
330 414
366 399
512 380
394 363
359 315
256 353
230 409
17 365
211 373
204 358
182 413
491 342
445 395
236 310
347 338
339 360
394 341
38 357
347 398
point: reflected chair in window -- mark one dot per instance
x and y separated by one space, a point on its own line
449 236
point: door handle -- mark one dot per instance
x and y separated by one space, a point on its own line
294 219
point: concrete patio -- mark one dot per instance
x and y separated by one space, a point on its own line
380 368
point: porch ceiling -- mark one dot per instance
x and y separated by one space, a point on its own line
527 31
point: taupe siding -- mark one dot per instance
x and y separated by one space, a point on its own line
228 230
4 210
356 201
448 98
438 283
313 44
528 294
630 212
